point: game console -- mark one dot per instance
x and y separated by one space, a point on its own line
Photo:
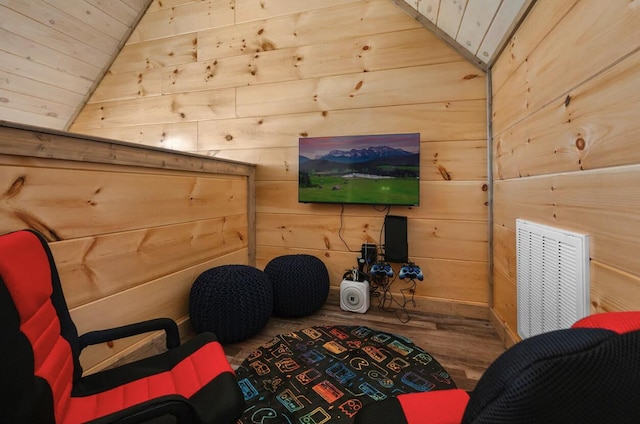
354 296
396 249
368 255
369 252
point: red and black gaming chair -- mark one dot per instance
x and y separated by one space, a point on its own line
589 373
41 379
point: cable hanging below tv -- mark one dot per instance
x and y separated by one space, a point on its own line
379 169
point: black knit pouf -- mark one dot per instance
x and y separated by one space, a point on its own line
300 284
232 301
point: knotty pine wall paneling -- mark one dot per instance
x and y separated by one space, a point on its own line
565 152
130 227
247 84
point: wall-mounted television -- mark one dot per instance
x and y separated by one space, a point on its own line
380 169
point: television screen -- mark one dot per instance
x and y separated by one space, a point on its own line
360 169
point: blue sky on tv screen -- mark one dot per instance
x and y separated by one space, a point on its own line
313 147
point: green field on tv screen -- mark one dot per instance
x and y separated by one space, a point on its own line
383 191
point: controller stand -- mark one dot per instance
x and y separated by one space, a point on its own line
380 276
410 272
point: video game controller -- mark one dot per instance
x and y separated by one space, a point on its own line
381 269
411 271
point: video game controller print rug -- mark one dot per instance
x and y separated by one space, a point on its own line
326 374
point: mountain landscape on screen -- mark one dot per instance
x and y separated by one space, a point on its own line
371 169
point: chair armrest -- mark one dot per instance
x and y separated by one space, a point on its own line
102 336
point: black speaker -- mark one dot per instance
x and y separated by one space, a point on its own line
395 238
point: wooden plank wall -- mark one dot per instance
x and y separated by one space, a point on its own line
566 94
130 227
245 79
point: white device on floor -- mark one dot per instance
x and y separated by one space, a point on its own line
354 296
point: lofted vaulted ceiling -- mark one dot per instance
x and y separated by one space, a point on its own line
53 53
478 29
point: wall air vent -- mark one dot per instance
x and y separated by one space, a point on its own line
552 278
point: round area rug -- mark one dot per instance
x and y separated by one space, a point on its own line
326 374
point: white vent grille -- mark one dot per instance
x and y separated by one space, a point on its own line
553 278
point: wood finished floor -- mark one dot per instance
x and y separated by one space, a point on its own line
464 347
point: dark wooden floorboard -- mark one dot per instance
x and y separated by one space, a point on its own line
465 347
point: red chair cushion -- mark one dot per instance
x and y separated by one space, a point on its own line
184 379
438 406
620 322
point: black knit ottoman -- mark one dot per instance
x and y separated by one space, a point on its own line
232 301
300 284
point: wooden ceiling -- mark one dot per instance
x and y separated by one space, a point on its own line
53 53
478 29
